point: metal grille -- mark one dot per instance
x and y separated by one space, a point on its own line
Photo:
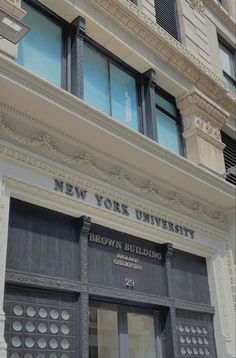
229 156
195 335
39 324
167 17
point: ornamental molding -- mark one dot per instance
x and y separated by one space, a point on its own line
231 269
196 102
84 161
221 13
52 283
198 6
164 45
197 126
198 208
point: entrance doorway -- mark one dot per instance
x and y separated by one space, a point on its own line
119 331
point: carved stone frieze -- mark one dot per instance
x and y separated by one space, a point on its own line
197 5
112 175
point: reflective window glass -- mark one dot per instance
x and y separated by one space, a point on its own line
167 130
123 97
227 61
141 336
103 333
40 51
110 89
96 84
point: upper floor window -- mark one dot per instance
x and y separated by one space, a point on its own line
229 157
167 16
97 76
168 126
227 56
109 88
41 50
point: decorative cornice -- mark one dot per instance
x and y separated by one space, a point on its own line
164 45
221 13
197 5
52 283
112 175
196 102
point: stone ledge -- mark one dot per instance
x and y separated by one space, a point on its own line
12 7
221 13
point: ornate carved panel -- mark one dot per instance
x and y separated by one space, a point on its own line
40 324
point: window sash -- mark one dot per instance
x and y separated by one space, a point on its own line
168 123
53 71
122 105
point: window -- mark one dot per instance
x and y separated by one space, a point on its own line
229 157
41 50
167 16
119 331
167 122
227 57
109 88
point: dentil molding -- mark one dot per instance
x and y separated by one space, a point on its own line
164 45
82 160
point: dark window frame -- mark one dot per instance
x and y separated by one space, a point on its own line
178 120
114 60
222 42
65 43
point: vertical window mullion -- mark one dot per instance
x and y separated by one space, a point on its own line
158 338
109 87
123 333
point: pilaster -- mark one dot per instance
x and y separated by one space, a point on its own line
77 72
13 8
203 120
4 214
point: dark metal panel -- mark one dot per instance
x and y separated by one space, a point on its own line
42 241
46 282
190 277
85 225
195 334
149 278
40 321
83 337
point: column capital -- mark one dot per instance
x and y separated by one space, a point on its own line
202 122
194 101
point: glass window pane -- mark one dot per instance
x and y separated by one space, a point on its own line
123 98
40 50
103 333
167 130
165 104
227 61
96 85
141 336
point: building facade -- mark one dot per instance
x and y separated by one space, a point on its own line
117 180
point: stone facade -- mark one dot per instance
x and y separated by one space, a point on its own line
45 133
